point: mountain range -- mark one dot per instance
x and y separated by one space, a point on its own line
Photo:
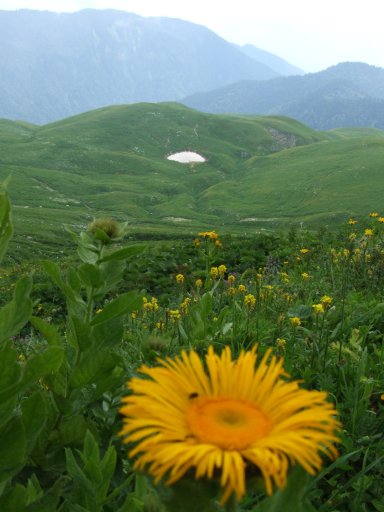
54 65
346 95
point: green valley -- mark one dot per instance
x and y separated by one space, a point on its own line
261 173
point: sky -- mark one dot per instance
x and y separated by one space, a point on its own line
311 35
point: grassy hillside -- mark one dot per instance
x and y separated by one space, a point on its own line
260 173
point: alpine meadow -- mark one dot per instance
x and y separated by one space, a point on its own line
192 303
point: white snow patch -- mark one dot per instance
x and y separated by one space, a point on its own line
177 219
186 157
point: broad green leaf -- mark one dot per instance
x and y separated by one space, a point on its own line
91 364
290 498
34 414
14 499
43 363
74 300
91 448
49 331
125 303
90 275
12 448
123 254
80 332
108 333
10 372
72 430
77 474
16 314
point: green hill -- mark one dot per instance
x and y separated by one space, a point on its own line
260 173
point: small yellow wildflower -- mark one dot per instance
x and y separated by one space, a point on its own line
160 325
209 235
326 301
197 242
174 315
288 297
134 315
305 276
180 279
199 283
242 288
318 309
368 232
280 343
222 270
148 306
352 222
231 279
214 272
218 244
184 306
284 277
381 219
304 251
295 321
231 291
373 215
250 301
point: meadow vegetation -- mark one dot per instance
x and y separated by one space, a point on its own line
261 174
75 330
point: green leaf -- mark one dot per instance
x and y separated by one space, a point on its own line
43 363
6 228
91 364
123 254
12 449
108 333
77 474
15 499
91 448
80 332
10 373
125 303
16 314
290 498
72 430
91 275
49 331
34 416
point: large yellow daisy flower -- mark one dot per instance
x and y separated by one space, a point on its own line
224 417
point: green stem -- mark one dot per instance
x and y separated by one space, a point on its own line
231 505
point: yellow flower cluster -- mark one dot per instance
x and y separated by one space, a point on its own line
179 279
174 315
151 305
318 309
295 321
184 306
250 301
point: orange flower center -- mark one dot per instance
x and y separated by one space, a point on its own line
227 423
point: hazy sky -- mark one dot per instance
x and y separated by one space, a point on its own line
312 35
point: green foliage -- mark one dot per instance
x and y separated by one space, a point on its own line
63 373
261 174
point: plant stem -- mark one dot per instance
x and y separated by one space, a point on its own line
231 505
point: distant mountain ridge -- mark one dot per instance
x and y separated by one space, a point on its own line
278 64
54 65
346 95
